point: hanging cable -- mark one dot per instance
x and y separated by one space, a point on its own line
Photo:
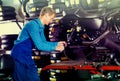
17 22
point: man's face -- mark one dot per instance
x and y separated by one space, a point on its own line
49 18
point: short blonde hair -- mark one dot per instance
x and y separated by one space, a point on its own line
47 10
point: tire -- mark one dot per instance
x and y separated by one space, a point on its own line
9 36
6 64
6 67
10 13
35 8
38 1
94 4
34 14
61 6
7 8
7 46
84 4
0 42
0 2
7 17
7 41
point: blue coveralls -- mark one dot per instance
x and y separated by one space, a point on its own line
31 35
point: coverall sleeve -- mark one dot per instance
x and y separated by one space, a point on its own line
37 35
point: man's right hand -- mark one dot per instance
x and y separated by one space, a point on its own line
60 47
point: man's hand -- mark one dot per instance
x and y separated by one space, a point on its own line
61 46
62 43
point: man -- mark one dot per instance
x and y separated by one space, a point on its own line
32 35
